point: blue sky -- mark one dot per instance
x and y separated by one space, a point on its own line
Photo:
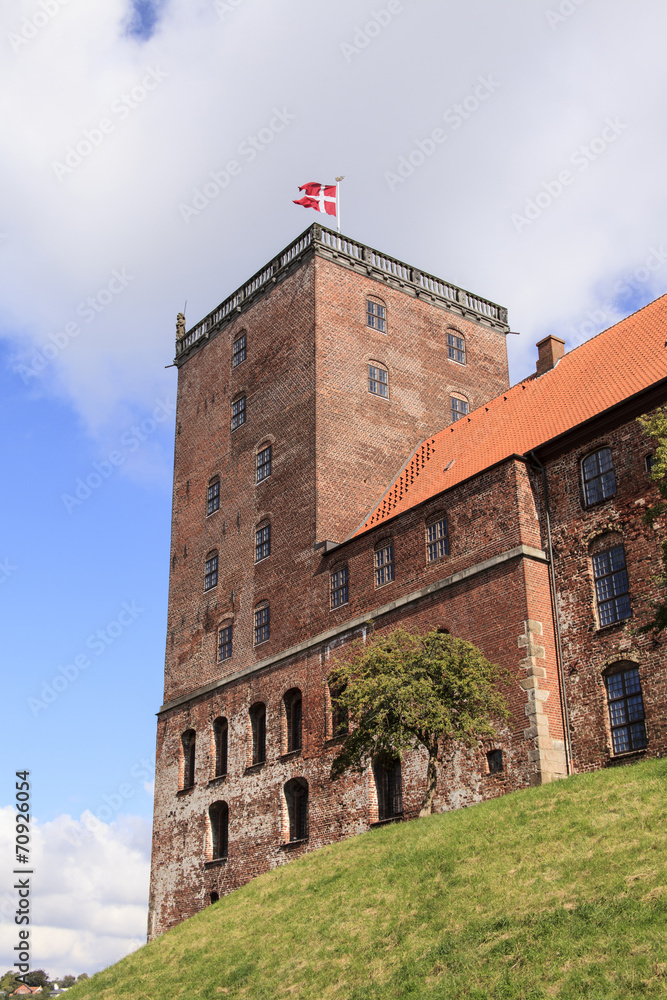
543 191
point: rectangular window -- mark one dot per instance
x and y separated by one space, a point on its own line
225 643
264 464
261 624
611 586
437 544
239 351
339 587
626 711
376 316
384 565
213 501
263 543
459 408
456 348
211 577
238 413
378 381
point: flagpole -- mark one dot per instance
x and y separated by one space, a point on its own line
338 180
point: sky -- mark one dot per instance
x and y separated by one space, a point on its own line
149 157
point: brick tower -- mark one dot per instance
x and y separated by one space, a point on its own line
300 398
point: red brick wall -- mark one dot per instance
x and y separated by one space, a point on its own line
588 649
363 440
489 608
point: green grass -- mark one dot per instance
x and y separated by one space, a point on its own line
556 892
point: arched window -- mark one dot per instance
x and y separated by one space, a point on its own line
378 379
293 703
339 715
188 742
599 479
262 542
239 350
456 347
220 736
238 412
376 314
262 623
437 540
610 575
296 799
258 728
388 784
225 639
459 406
263 463
213 496
211 571
214 897
384 563
339 592
218 815
626 708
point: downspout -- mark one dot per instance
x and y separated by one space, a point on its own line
554 610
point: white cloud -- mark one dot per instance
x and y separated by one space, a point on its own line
89 891
221 79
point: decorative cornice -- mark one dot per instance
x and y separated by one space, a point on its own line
348 253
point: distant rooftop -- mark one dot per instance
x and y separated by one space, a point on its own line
364 260
612 367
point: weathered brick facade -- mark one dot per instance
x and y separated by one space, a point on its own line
335 448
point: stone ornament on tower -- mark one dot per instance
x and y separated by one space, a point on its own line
180 326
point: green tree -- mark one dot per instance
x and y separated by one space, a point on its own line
655 426
407 690
37 978
9 982
67 981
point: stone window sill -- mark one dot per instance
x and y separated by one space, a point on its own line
255 767
185 791
290 755
218 779
289 844
398 818
215 863
334 741
604 629
626 758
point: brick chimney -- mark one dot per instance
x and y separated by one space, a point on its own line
551 350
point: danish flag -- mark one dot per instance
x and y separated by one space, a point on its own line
321 197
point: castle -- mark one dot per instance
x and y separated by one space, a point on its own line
348 450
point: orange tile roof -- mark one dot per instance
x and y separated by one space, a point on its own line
614 365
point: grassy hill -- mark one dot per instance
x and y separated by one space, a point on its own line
554 892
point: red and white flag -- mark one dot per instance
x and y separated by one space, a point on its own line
321 197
